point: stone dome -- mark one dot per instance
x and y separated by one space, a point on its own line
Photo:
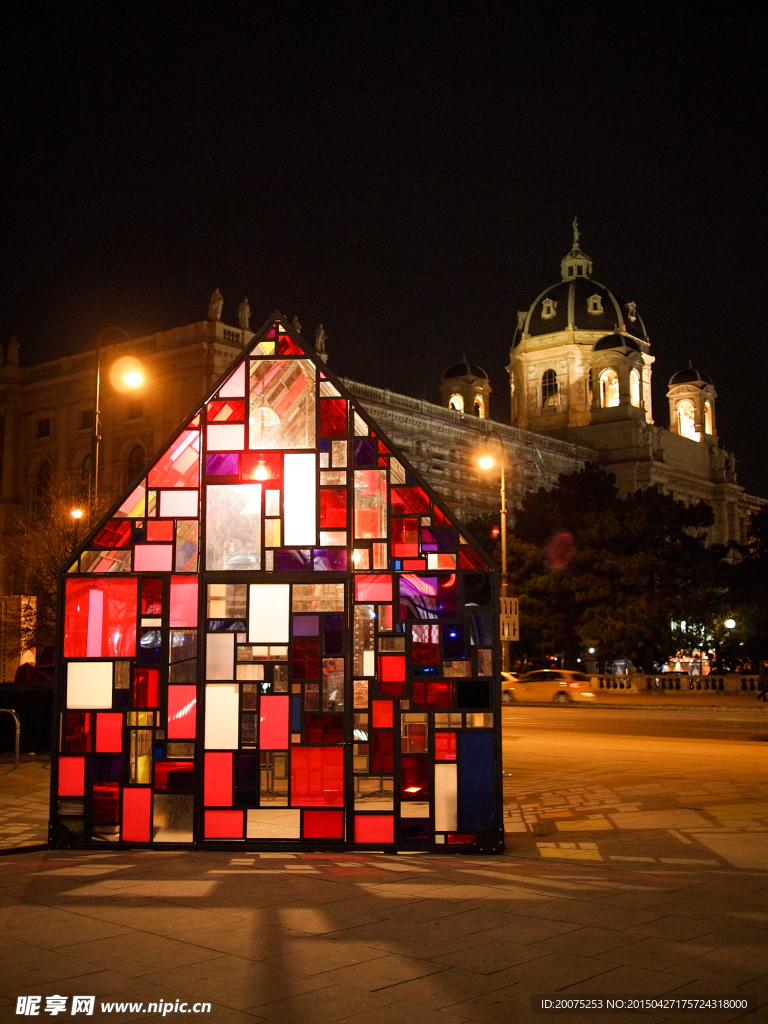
615 340
465 369
690 376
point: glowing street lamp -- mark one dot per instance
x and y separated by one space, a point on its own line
730 623
77 513
486 461
126 373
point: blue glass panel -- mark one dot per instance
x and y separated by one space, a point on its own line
365 451
453 643
476 781
415 830
226 625
296 712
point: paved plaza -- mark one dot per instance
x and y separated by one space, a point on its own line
636 865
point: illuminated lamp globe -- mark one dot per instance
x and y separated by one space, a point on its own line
261 472
730 623
486 461
77 513
133 379
591 650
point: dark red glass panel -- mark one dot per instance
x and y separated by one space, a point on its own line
323 825
333 509
333 417
106 804
116 534
432 695
392 688
460 839
405 538
175 776
151 596
306 659
324 728
469 559
76 732
145 685
425 654
414 778
410 499
100 618
382 752
317 776
287 347
224 411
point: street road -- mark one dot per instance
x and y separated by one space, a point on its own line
647 785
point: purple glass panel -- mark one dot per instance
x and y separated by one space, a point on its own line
365 451
306 625
439 538
224 464
330 559
287 560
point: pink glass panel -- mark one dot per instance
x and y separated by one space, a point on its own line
234 386
182 712
374 828
100 618
179 504
183 601
153 557
71 776
109 733
317 776
180 465
373 588
273 723
225 437
217 790
137 815
223 824
445 746
323 825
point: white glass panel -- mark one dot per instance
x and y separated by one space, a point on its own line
445 797
299 499
89 684
220 656
221 714
233 528
268 618
225 437
269 824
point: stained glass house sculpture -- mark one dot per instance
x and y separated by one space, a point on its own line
278 639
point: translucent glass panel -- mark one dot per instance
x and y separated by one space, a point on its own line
299 499
233 527
282 404
370 503
269 616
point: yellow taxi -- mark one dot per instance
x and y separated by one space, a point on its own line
559 685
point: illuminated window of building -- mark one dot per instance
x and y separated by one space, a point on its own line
479 407
609 389
549 388
686 420
708 418
456 402
595 305
548 309
589 386
634 388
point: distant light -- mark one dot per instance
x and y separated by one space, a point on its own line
413 789
730 623
485 461
578 659
591 650
355 556
77 513
133 379
495 531
261 471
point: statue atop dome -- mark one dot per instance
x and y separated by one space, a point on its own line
576 263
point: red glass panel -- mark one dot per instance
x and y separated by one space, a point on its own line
217 787
76 732
323 729
159 529
415 563
374 828
174 776
306 659
182 712
267 462
392 668
183 601
383 714
71 776
152 597
109 733
414 778
223 824
438 518
180 465
460 839
333 509
273 723
445 746
145 683
222 412
382 745
116 534
106 804
137 815
323 825
287 347
100 618
373 588
432 695
405 538
469 559
425 654
410 499
392 688
333 417
317 776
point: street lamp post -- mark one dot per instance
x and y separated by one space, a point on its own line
486 461
132 379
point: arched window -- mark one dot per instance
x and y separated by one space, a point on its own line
708 427
456 402
479 407
609 389
135 461
634 388
549 389
595 305
42 488
686 420
548 309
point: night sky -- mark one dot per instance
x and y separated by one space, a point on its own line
405 174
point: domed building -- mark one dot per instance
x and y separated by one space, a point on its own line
466 388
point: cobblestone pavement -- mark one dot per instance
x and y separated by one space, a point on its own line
24 795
